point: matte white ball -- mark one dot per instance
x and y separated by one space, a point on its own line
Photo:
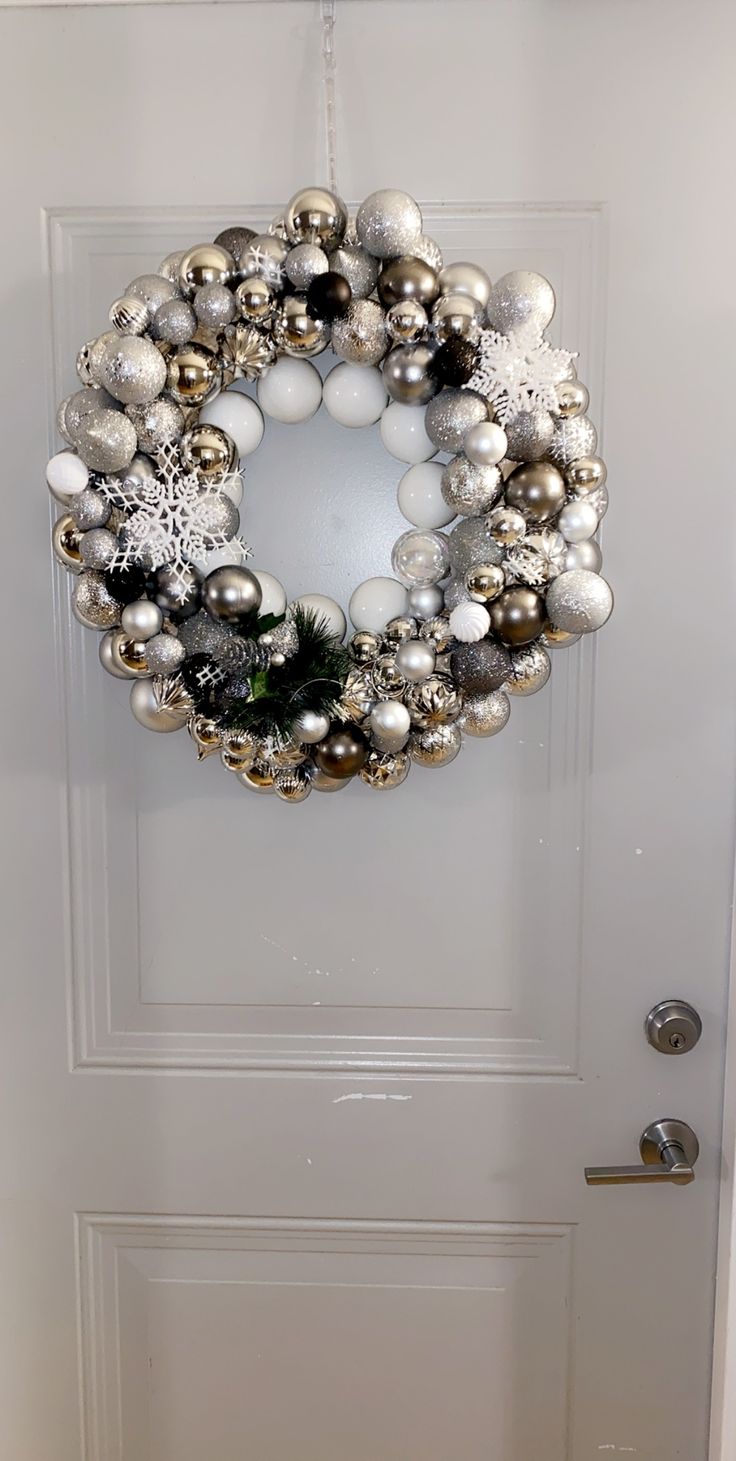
470 622
577 521
377 600
238 415
485 444
403 433
420 496
66 473
354 395
291 391
390 723
327 609
141 619
273 592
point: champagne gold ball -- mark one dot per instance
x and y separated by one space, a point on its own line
296 332
484 582
66 542
208 450
193 375
205 264
537 489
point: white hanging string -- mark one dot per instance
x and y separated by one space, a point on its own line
329 70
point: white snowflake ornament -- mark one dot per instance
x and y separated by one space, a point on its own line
519 372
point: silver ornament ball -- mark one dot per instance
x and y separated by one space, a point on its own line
174 321
106 440
579 601
450 415
518 299
132 370
415 659
436 747
470 490
231 593
388 223
485 715
164 654
426 600
360 335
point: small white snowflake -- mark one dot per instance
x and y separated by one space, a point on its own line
170 519
519 372
265 264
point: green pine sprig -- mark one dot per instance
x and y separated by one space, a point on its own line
310 679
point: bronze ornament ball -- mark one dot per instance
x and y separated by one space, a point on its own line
517 616
537 489
231 593
342 753
407 278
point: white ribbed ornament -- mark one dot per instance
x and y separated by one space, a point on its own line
470 622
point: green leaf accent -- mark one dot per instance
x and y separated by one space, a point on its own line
311 679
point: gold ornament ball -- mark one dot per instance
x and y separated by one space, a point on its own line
129 315
206 735
436 747
401 628
517 616
586 475
130 654
205 264
193 375
316 216
506 526
537 489
485 715
485 582
93 604
65 540
364 647
256 299
385 770
258 777
208 450
434 701
292 784
456 314
573 399
296 332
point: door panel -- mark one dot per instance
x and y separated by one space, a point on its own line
301 1099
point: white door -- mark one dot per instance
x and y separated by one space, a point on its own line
297 1101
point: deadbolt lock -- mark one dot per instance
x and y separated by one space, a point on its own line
673 1027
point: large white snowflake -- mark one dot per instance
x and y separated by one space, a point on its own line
173 518
519 372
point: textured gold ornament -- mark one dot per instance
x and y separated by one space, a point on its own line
358 697
434 701
246 353
205 734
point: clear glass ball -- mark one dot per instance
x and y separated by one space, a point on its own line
421 558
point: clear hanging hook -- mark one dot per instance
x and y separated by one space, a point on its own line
329 69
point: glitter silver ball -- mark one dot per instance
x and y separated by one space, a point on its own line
214 306
156 423
456 592
388 223
304 263
436 747
216 516
132 370
98 548
529 436
579 601
572 439
175 322
383 771
93 604
530 670
235 241
106 440
203 635
360 335
153 290
449 417
90 509
78 407
471 542
164 654
170 266
481 667
470 490
521 298
425 248
485 715
357 266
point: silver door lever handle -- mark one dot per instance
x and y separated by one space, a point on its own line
669 1150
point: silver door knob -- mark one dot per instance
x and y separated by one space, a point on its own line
668 1149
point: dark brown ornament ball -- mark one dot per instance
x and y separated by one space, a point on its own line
517 616
481 667
328 296
454 362
342 753
537 489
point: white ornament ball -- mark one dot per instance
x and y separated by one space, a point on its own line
327 609
67 475
403 433
420 496
354 395
375 601
469 622
415 658
311 727
239 416
485 444
390 723
579 601
273 593
577 521
291 391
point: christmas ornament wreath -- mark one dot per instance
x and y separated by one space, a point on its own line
446 363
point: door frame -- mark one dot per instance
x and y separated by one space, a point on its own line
723 1400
